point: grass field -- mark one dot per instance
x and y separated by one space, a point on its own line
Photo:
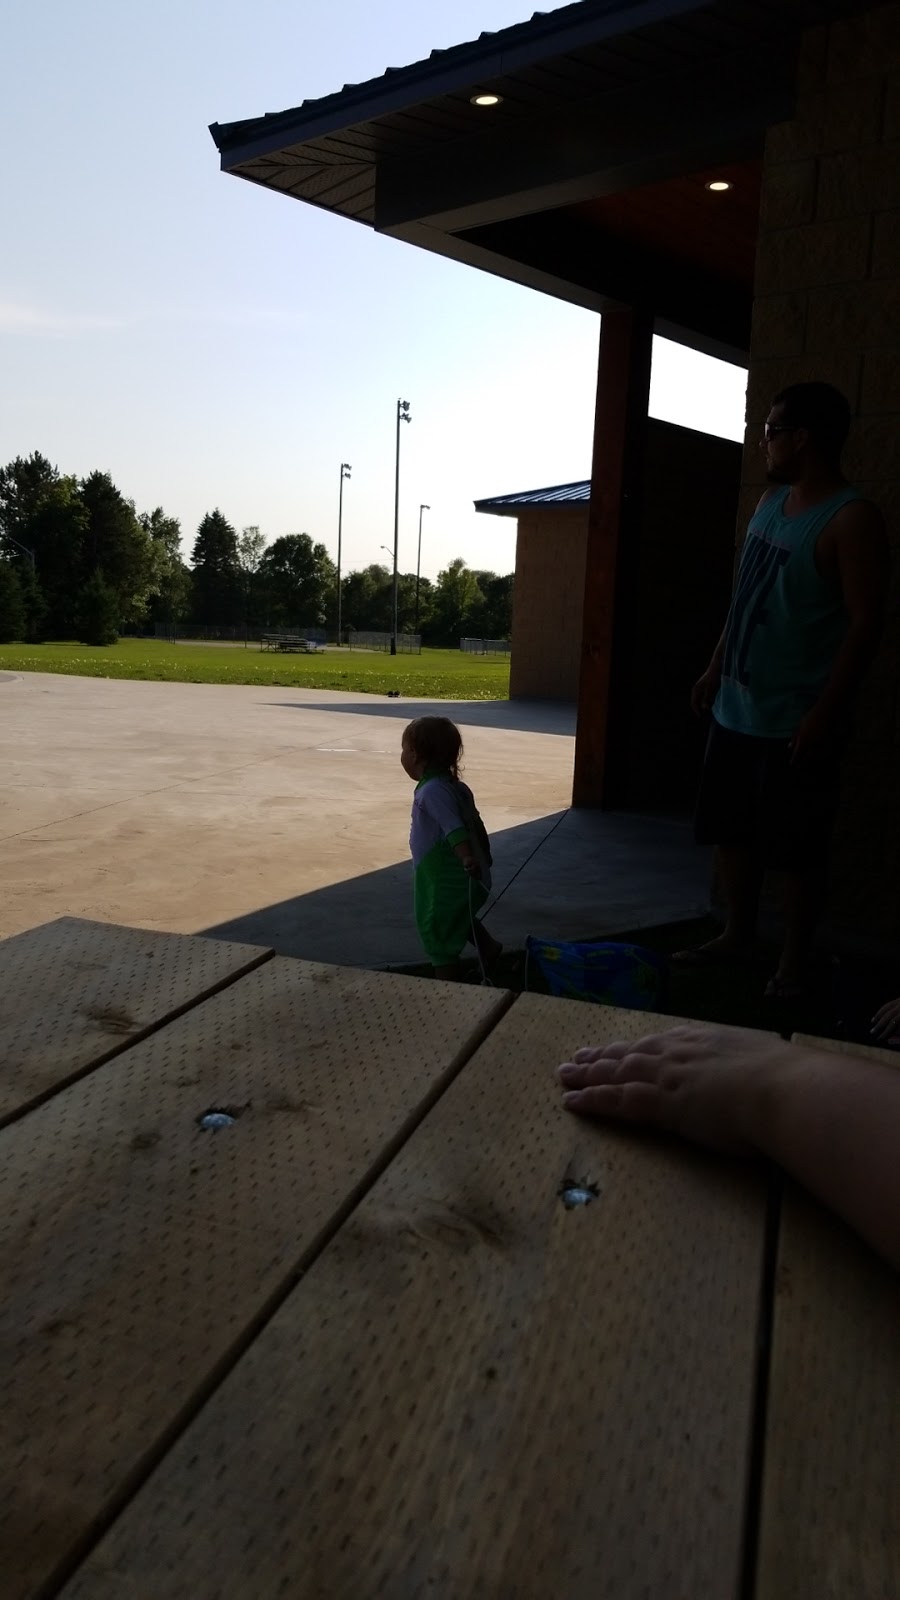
435 674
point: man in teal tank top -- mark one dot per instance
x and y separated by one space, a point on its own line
803 626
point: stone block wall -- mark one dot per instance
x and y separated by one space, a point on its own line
828 307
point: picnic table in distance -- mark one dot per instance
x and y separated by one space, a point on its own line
290 641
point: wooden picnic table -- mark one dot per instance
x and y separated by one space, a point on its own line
352 1342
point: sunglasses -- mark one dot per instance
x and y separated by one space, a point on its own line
771 429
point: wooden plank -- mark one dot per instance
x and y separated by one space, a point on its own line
842 1047
138 1252
476 1392
830 1523
611 562
75 993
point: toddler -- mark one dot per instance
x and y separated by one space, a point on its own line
450 848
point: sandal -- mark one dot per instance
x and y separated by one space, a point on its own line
783 989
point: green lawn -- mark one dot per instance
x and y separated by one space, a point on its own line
435 674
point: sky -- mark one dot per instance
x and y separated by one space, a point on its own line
211 344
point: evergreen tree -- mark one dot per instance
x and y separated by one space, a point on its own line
34 603
116 544
217 598
12 608
24 486
97 611
41 516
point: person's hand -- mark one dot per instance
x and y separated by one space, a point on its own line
813 734
471 866
705 690
706 1083
886 1022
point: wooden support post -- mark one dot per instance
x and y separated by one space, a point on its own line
612 557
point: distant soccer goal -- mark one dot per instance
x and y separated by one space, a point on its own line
485 647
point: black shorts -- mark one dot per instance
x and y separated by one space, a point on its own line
752 797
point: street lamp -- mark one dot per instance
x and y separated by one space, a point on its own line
345 473
418 565
402 416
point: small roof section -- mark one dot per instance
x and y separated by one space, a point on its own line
562 494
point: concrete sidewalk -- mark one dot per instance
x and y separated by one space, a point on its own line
280 816
570 875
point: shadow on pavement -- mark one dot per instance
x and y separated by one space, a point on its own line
568 875
524 716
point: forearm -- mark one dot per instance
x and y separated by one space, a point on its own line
465 852
854 657
832 1122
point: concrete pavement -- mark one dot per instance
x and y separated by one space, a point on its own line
280 816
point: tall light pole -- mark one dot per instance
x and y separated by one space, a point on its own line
29 553
345 473
419 564
402 416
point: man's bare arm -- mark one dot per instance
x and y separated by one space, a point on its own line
831 1121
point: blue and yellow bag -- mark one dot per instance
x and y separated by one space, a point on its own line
608 974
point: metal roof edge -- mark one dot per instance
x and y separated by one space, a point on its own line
508 504
398 88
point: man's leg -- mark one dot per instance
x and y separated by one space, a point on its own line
804 900
726 809
800 802
740 876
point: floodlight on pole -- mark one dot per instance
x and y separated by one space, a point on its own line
419 564
345 473
30 553
403 415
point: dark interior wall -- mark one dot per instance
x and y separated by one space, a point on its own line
683 588
683 578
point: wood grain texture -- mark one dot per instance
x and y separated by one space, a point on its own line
475 1393
831 1508
75 993
830 1526
137 1250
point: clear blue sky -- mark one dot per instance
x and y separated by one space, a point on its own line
210 343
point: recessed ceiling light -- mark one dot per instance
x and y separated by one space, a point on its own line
719 185
486 99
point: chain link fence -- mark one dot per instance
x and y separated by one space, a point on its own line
485 647
408 644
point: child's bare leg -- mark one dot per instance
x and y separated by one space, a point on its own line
489 949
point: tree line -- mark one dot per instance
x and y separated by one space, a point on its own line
79 561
